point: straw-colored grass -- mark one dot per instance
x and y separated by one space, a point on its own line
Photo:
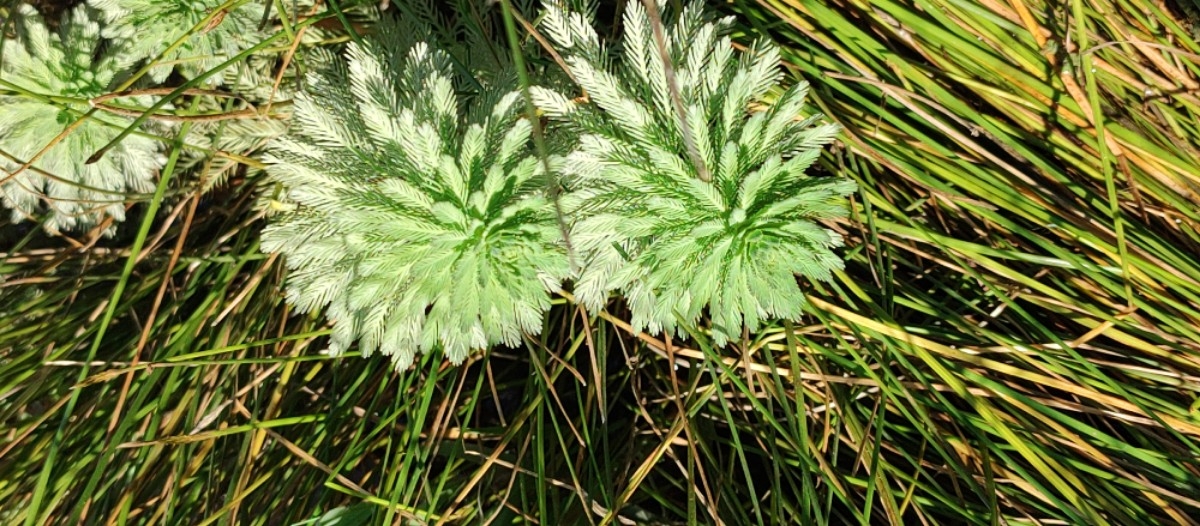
1029 272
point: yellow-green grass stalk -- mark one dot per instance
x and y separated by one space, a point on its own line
1025 295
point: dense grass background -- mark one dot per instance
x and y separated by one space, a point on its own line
1014 339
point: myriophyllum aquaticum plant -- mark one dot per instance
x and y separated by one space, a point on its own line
147 28
684 200
46 81
419 220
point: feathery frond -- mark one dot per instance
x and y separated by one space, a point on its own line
46 80
421 221
146 28
646 222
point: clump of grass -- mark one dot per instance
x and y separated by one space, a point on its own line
1024 300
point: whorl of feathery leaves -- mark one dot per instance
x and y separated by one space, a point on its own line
254 81
647 223
146 28
46 79
420 221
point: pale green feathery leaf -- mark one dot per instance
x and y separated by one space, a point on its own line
46 81
146 28
645 223
421 221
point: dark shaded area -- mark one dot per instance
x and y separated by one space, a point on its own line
51 9
1187 11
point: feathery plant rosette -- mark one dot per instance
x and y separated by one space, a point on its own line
148 27
46 80
724 225
420 220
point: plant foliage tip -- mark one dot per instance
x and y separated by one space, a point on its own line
147 28
46 81
421 220
645 221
